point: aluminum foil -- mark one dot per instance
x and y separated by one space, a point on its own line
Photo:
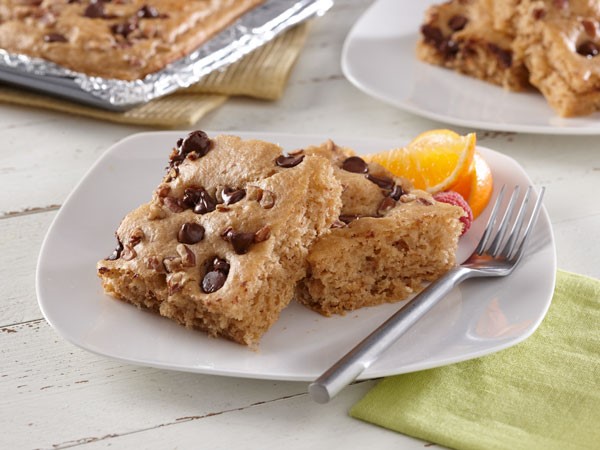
252 30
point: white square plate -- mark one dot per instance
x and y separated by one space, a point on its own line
379 57
479 317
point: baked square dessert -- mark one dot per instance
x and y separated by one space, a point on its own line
389 240
223 242
466 36
114 39
559 41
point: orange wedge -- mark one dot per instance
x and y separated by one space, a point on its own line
433 161
476 186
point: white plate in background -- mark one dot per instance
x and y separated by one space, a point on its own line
480 317
379 58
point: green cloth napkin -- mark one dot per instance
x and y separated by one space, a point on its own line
541 394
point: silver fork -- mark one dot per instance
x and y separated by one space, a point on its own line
495 256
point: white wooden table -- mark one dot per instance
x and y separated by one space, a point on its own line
54 395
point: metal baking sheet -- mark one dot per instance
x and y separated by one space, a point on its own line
252 30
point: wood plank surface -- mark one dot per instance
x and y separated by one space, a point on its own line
54 395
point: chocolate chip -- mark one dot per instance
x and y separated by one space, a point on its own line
538 13
190 233
213 281
199 200
197 141
382 182
347 218
116 254
355 164
449 48
231 196
55 37
397 192
457 22
149 12
289 161
432 35
588 49
386 204
191 196
504 56
216 274
241 242
205 204
220 265
123 29
94 10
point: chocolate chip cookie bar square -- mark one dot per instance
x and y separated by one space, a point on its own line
389 240
462 35
223 242
559 42
114 39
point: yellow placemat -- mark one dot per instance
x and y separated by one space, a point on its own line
262 74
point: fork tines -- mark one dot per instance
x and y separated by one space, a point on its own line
511 247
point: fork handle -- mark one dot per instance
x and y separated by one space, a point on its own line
350 366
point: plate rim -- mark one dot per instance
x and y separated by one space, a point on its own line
369 373
347 70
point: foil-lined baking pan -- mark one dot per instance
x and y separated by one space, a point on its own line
249 32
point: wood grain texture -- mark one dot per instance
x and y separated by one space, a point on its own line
19 246
54 395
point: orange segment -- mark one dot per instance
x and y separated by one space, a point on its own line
433 161
481 185
465 183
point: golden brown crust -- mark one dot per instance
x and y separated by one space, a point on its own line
123 39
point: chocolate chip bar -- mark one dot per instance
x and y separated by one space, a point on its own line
388 241
552 45
466 36
114 39
559 40
223 242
